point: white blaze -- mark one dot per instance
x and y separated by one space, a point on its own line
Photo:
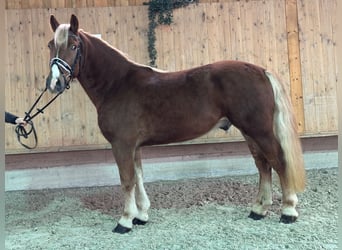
55 71
55 75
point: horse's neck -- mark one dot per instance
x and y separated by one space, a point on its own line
102 69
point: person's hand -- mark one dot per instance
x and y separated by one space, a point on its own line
20 121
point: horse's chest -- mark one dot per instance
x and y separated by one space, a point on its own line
117 120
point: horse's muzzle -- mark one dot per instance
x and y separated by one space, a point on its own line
56 85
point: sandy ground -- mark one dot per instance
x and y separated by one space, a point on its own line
188 214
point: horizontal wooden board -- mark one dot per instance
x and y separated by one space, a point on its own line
35 4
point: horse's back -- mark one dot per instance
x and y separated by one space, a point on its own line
231 88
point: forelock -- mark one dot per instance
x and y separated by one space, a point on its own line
61 35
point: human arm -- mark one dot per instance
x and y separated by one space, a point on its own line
13 119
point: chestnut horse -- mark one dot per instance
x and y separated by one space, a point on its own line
138 106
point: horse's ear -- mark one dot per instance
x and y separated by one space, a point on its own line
74 24
54 23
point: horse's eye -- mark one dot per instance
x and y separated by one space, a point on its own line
73 47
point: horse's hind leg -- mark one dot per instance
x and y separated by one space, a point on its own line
272 152
143 203
264 198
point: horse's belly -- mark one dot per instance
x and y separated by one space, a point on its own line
179 130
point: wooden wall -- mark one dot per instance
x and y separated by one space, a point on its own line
318 27
290 37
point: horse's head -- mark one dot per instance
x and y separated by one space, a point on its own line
65 53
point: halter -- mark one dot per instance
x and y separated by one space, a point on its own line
61 64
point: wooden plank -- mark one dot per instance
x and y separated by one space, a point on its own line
214 28
328 25
100 3
245 26
110 23
27 50
187 53
192 48
132 45
159 46
121 37
233 47
140 2
12 92
122 3
39 43
80 4
179 38
320 87
46 4
36 4
201 33
295 63
26 58
280 46
306 19
141 18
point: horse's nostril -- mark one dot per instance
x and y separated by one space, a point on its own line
58 85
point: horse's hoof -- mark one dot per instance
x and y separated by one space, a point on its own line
121 229
137 221
255 216
287 219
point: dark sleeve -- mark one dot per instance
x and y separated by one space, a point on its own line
10 118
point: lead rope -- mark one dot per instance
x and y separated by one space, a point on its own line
21 130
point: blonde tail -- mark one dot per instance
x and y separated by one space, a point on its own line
285 130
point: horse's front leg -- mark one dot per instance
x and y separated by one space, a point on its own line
124 156
143 203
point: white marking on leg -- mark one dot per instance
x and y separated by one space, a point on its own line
130 210
143 203
289 205
264 198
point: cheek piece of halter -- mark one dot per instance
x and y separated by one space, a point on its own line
20 130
